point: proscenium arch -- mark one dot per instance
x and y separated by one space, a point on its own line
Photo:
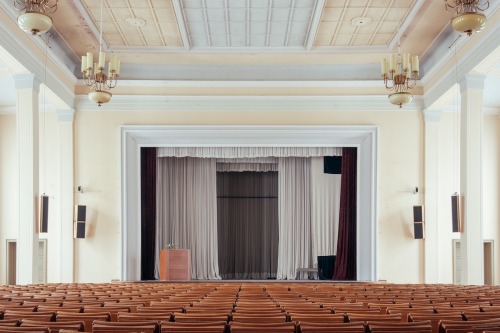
363 137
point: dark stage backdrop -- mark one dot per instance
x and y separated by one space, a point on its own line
247 223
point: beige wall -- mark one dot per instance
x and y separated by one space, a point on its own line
491 180
400 169
8 188
97 167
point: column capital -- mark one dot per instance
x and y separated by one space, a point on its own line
26 81
432 116
65 115
472 81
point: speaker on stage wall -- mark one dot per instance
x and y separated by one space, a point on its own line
80 216
456 222
326 266
44 213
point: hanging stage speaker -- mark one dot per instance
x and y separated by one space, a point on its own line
326 267
80 216
44 213
456 222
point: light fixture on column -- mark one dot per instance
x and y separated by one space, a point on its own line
33 17
95 76
400 74
468 18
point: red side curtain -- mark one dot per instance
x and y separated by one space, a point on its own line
148 212
345 263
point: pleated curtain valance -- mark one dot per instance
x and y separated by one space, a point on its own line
242 167
248 152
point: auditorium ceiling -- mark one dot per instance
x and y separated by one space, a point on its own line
252 40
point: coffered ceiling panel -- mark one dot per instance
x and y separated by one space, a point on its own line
361 22
148 23
248 23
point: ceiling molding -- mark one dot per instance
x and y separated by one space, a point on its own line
393 44
465 65
250 84
14 42
247 103
316 20
181 23
90 23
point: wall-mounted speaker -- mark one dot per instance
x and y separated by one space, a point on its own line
44 213
80 216
79 230
418 213
456 221
80 213
418 222
418 230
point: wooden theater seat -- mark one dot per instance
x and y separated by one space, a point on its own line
129 327
54 326
174 327
245 327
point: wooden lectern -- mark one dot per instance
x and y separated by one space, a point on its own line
175 264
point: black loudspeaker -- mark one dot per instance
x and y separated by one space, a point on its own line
418 213
326 267
80 216
418 230
456 222
418 222
44 213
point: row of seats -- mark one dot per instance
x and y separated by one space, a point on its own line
291 307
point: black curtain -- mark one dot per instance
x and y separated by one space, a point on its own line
247 224
345 263
148 212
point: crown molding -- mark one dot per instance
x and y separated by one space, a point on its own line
20 47
248 103
465 65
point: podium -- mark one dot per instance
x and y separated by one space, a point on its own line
175 264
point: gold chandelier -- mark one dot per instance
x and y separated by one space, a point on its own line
95 76
400 74
468 18
33 17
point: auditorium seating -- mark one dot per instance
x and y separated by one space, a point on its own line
224 307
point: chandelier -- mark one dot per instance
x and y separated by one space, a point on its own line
95 76
33 17
400 74
468 18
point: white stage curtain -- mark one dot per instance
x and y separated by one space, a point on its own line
248 152
294 195
325 205
187 212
